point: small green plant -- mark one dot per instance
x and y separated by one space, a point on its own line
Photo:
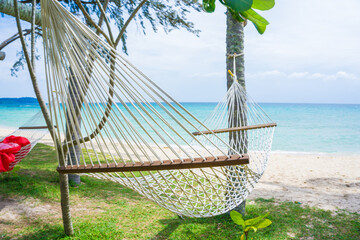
12 173
250 224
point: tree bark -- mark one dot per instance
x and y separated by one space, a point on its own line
74 99
235 45
7 7
65 204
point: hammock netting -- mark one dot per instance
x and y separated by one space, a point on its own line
107 112
33 130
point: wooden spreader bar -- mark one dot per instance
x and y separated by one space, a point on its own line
35 127
157 165
235 129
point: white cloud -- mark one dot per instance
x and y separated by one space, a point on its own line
298 74
340 75
207 75
272 73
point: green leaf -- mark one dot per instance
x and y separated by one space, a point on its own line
209 5
263 224
259 22
237 218
236 15
238 5
253 221
249 228
263 4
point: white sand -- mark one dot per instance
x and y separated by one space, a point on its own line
324 180
328 181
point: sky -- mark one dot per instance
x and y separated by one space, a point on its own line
308 54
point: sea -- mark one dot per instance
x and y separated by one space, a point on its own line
320 128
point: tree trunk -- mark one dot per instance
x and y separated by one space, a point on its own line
65 204
65 197
73 131
235 45
7 7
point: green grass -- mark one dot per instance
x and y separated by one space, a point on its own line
106 210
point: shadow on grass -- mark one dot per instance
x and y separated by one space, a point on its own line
171 226
290 221
45 233
198 228
38 178
44 184
83 230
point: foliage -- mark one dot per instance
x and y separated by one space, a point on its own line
169 15
250 224
243 10
106 210
154 14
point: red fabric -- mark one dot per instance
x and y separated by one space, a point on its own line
5 160
8 148
16 139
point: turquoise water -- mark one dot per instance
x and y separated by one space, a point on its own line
301 127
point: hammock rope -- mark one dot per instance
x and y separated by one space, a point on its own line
130 131
33 130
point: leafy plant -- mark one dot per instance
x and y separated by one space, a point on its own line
250 224
243 10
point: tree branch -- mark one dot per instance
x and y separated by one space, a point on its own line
103 17
121 33
13 38
87 16
34 80
32 50
7 7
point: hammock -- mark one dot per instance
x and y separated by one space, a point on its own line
28 135
117 124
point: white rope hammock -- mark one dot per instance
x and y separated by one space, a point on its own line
128 130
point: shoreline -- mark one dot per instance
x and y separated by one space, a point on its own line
5 130
328 181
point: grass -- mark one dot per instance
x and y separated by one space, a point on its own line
106 210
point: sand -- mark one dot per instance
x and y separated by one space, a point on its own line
329 181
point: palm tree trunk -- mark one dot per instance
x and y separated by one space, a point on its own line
235 45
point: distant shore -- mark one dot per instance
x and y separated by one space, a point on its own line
325 180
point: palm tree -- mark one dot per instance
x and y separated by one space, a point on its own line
235 45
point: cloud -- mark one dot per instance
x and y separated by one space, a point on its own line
298 74
272 73
340 75
207 75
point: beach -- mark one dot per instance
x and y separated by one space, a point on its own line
328 181
325 180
